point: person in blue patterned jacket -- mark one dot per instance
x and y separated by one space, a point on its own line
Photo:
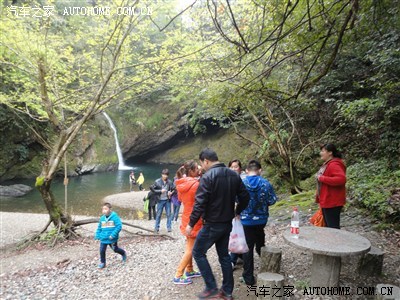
255 216
108 232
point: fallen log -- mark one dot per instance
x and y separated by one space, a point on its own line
96 220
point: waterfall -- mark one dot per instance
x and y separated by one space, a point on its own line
121 163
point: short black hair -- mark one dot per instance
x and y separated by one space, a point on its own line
165 172
253 165
208 154
108 205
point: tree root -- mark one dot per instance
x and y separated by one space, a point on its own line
96 220
149 235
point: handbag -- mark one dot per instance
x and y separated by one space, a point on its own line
318 219
237 239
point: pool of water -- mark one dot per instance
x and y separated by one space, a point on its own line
85 192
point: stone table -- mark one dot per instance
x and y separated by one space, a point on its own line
327 245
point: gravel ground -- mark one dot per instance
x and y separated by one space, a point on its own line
69 271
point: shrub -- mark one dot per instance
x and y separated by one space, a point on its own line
370 186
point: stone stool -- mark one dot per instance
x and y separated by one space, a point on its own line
371 263
270 286
270 259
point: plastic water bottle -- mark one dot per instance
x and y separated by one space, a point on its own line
295 223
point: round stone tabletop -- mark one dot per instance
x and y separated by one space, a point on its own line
328 241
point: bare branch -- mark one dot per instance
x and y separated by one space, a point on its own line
245 47
237 132
173 19
41 139
336 48
218 26
164 59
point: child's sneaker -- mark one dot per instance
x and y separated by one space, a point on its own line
101 266
182 280
124 257
192 274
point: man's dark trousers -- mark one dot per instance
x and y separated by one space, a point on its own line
218 234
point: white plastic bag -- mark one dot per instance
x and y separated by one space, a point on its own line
237 239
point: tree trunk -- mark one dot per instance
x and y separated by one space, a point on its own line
294 181
57 216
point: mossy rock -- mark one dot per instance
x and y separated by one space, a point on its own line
302 201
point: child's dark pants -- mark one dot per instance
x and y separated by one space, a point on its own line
154 212
103 248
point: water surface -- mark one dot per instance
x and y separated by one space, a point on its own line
85 192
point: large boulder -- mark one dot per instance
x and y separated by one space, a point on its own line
15 190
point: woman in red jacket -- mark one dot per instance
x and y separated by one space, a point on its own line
186 185
331 185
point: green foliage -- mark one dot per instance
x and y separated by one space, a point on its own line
154 120
361 94
261 74
302 284
22 151
309 184
370 184
49 236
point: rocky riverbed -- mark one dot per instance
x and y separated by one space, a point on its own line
69 271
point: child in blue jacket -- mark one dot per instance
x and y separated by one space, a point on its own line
255 216
107 232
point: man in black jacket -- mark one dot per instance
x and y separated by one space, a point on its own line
163 188
215 203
